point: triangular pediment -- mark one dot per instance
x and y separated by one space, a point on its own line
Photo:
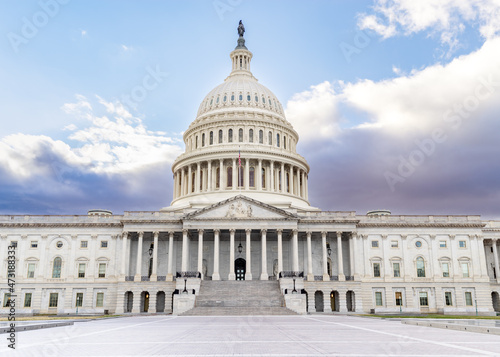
241 207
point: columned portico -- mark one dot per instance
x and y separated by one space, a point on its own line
340 259
200 252
216 274
138 268
231 275
263 274
248 272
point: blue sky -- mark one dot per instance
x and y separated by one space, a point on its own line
395 101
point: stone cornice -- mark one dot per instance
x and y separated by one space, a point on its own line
321 221
54 225
422 225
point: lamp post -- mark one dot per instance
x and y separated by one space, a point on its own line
185 283
294 290
329 249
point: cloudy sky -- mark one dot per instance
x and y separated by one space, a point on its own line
396 101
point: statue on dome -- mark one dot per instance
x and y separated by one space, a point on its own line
241 29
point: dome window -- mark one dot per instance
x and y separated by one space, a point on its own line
211 138
241 97
270 138
211 101
230 135
240 135
203 139
256 99
284 142
225 98
232 98
220 136
248 97
251 177
250 135
217 101
263 100
277 140
261 137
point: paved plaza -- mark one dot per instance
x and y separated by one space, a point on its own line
312 335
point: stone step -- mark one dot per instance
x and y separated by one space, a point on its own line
238 311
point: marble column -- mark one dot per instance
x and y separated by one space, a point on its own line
258 176
495 256
310 275
182 183
280 250
351 255
216 274
222 175
170 275
282 178
295 250
154 272
248 272
138 266
324 252
209 176
339 257
231 275
185 251
290 180
355 272
263 274
271 177
247 174
190 180
235 175
200 252
124 255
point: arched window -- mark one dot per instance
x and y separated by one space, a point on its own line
263 178
270 138
252 177
287 182
201 180
217 178
240 97
232 98
278 140
420 267
211 138
229 177
193 181
284 142
261 137
56 268
279 180
220 136
240 135
230 135
196 142
203 139
250 135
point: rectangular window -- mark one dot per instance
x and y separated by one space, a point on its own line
468 298
104 243
462 244
13 244
465 270
376 270
442 244
31 270
378 298
374 243
27 300
395 268
6 300
399 298
34 244
79 300
446 270
423 299
83 244
394 244
99 302
102 270
447 298
53 297
81 270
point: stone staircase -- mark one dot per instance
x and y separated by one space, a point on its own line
244 297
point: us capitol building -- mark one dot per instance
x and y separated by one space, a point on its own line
240 234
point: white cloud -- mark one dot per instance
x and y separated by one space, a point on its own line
127 48
70 127
83 33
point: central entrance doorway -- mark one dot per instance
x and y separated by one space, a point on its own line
240 268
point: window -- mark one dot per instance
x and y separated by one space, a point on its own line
34 244
230 135
279 180
284 142
232 98
445 267
31 270
257 99
229 177
278 140
193 181
465 270
376 270
27 300
59 244
56 268
201 180
462 244
399 298
250 135
378 298
203 139
102 270
248 97
81 270
220 136
270 138
263 100
261 137
447 298
252 177
211 138
442 244
83 244
374 243
418 244
79 300
6 300
217 100
99 300
394 243
196 142
13 244
420 267
240 97
263 178
217 178
240 135
104 244
395 268
53 297
424 301
468 298
225 98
